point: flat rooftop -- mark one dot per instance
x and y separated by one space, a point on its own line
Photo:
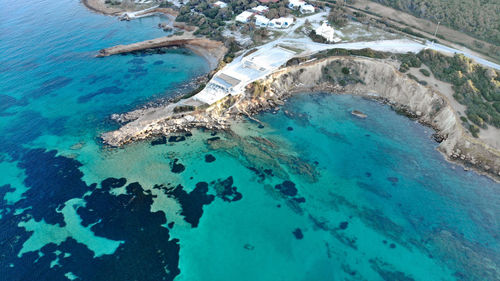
227 80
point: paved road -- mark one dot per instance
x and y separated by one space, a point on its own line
442 48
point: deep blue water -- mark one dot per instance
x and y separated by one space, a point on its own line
317 194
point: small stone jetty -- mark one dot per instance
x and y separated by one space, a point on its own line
213 51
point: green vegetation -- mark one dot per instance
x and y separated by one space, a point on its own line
184 108
408 60
211 20
337 15
476 87
339 73
411 76
317 38
425 72
480 18
343 52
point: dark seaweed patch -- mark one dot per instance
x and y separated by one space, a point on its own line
8 101
298 234
158 62
92 78
49 86
34 125
161 140
212 139
52 180
113 90
261 173
209 158
289 129
147 253
287 188
138 71
176 138
343 225
137 61
226 191
299 199
380 191
111 183
192 202
393 180
368 174
177 167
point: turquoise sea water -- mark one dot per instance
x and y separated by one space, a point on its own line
317 194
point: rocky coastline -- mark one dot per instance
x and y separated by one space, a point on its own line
371 78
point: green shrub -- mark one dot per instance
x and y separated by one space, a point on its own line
474 86
425 72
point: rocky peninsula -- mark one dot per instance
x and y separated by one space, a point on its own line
212 51
372 78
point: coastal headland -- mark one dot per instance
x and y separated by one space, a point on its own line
371 78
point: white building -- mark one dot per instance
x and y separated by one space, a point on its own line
281 22
220 4
326 31
261 21
295 4
244 17
307 9
260 9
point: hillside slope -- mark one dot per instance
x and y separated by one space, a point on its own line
480 18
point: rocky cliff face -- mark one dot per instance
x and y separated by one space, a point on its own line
379 80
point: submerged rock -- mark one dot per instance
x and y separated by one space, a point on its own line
298 234
287 188
359 114
162 140
226 191
177 167
176 138
343 225
209 158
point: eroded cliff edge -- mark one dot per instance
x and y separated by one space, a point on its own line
376 79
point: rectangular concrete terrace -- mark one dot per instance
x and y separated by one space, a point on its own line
233 78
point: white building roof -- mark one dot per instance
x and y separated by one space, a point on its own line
244 16
261 20
326 31
281 22
220 4
307 8
296 3
260 9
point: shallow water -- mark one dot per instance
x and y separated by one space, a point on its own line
317 194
